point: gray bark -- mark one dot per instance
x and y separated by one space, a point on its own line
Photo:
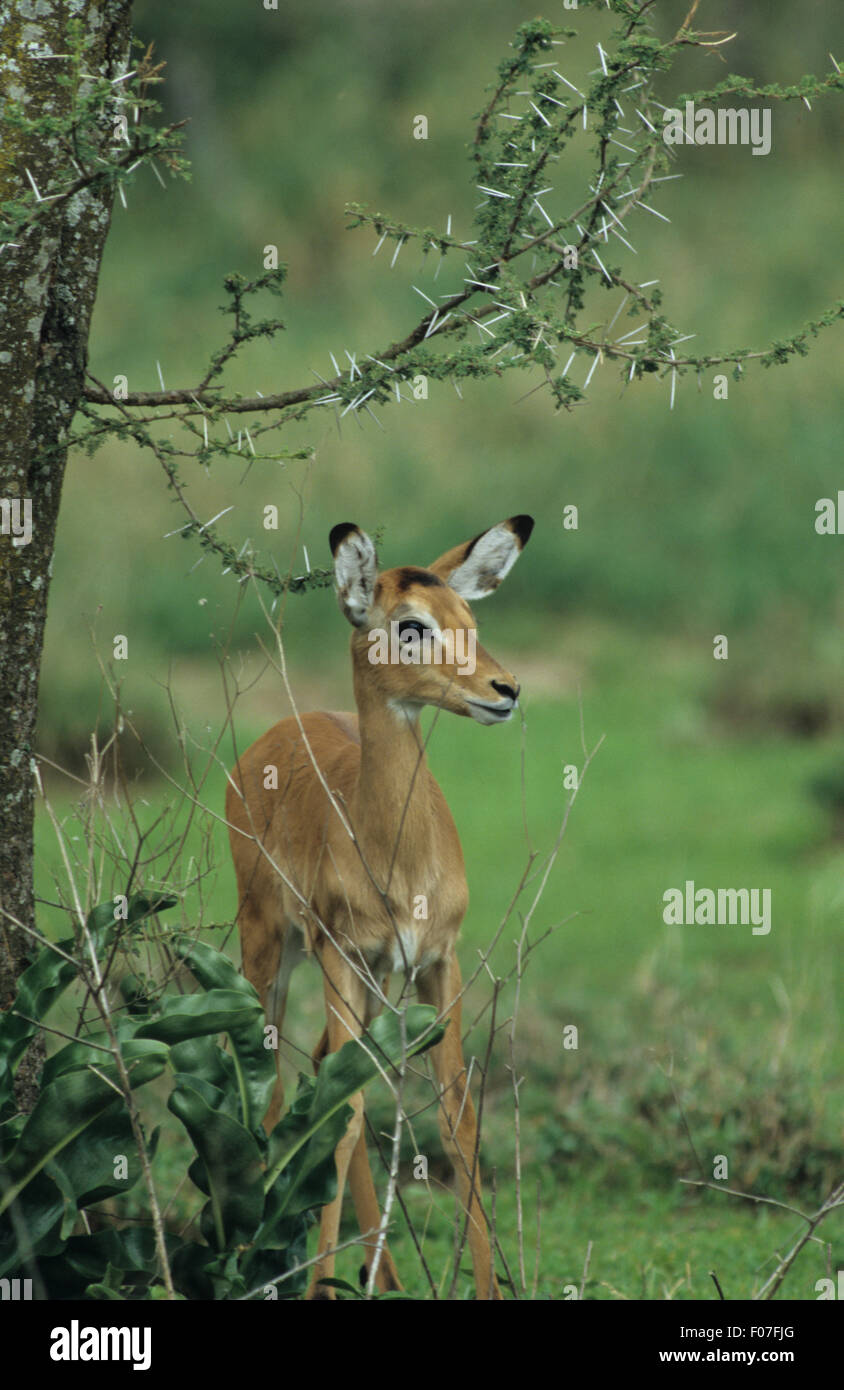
48 284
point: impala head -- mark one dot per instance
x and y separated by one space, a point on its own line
415 638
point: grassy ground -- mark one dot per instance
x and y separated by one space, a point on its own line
698 1040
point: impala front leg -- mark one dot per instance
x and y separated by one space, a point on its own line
441 987
364 1197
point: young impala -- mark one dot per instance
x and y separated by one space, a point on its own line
308 887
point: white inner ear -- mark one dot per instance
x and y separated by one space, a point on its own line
492 557
354 576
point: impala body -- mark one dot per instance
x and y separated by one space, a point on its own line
345 849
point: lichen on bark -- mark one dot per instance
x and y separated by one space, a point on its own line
48 283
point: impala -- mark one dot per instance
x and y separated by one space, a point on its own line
334 853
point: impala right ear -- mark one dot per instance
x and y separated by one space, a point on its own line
355 569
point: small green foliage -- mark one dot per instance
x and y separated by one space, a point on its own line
96 106
262 1191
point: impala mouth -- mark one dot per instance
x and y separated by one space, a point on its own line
491 714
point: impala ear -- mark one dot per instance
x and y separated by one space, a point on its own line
355 568
477 567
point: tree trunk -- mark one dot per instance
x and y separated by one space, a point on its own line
48 283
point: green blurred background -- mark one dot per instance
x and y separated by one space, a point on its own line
692 522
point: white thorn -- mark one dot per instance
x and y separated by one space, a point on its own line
215 518
633 331
568 84
653 210
607 275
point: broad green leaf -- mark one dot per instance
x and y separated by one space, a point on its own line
256 1069
85 1258
226 1277
233 1166
140 906
193 1015
64 1110
203 1057
261 1266
310 1182
254 1062
189 1266
43 983
212 969
31 1225
341 1075
84 1171
79 1056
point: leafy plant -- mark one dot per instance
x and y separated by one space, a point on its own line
77 1147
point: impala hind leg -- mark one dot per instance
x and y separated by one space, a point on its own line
270 955
345 1011
441 986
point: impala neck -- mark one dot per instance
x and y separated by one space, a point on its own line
393 786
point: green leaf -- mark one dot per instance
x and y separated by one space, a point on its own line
84 1171
109 1287
193 1015
79 1056
63 1111
212 969
341 1075
66 1109
31 1225
253 1061
85 1260
261 1267
204 1058
233 1166
43 983
40 985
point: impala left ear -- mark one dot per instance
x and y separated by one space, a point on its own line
476 568
355 570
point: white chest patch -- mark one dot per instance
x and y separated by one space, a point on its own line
407 955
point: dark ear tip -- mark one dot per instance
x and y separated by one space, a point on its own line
339 533
522 527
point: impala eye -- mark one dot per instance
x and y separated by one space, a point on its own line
411 629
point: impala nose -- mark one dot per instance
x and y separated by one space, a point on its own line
510 691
